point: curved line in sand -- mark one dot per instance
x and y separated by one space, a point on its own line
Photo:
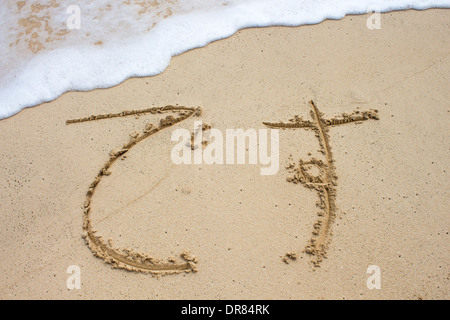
125 258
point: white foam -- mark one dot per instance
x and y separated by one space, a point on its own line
136 41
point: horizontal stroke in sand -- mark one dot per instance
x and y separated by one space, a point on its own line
324 183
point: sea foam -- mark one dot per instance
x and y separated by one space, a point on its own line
44 52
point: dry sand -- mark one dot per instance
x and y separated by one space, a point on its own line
389 201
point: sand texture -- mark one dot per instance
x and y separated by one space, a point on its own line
363 119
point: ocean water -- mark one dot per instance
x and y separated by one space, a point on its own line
48 47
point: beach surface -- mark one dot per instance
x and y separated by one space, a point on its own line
246 232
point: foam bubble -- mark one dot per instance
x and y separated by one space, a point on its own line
41 58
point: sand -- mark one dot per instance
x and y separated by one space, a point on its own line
379 196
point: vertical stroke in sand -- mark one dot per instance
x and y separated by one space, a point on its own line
125 258
325 182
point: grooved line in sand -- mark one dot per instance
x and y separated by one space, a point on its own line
125 258
325 182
